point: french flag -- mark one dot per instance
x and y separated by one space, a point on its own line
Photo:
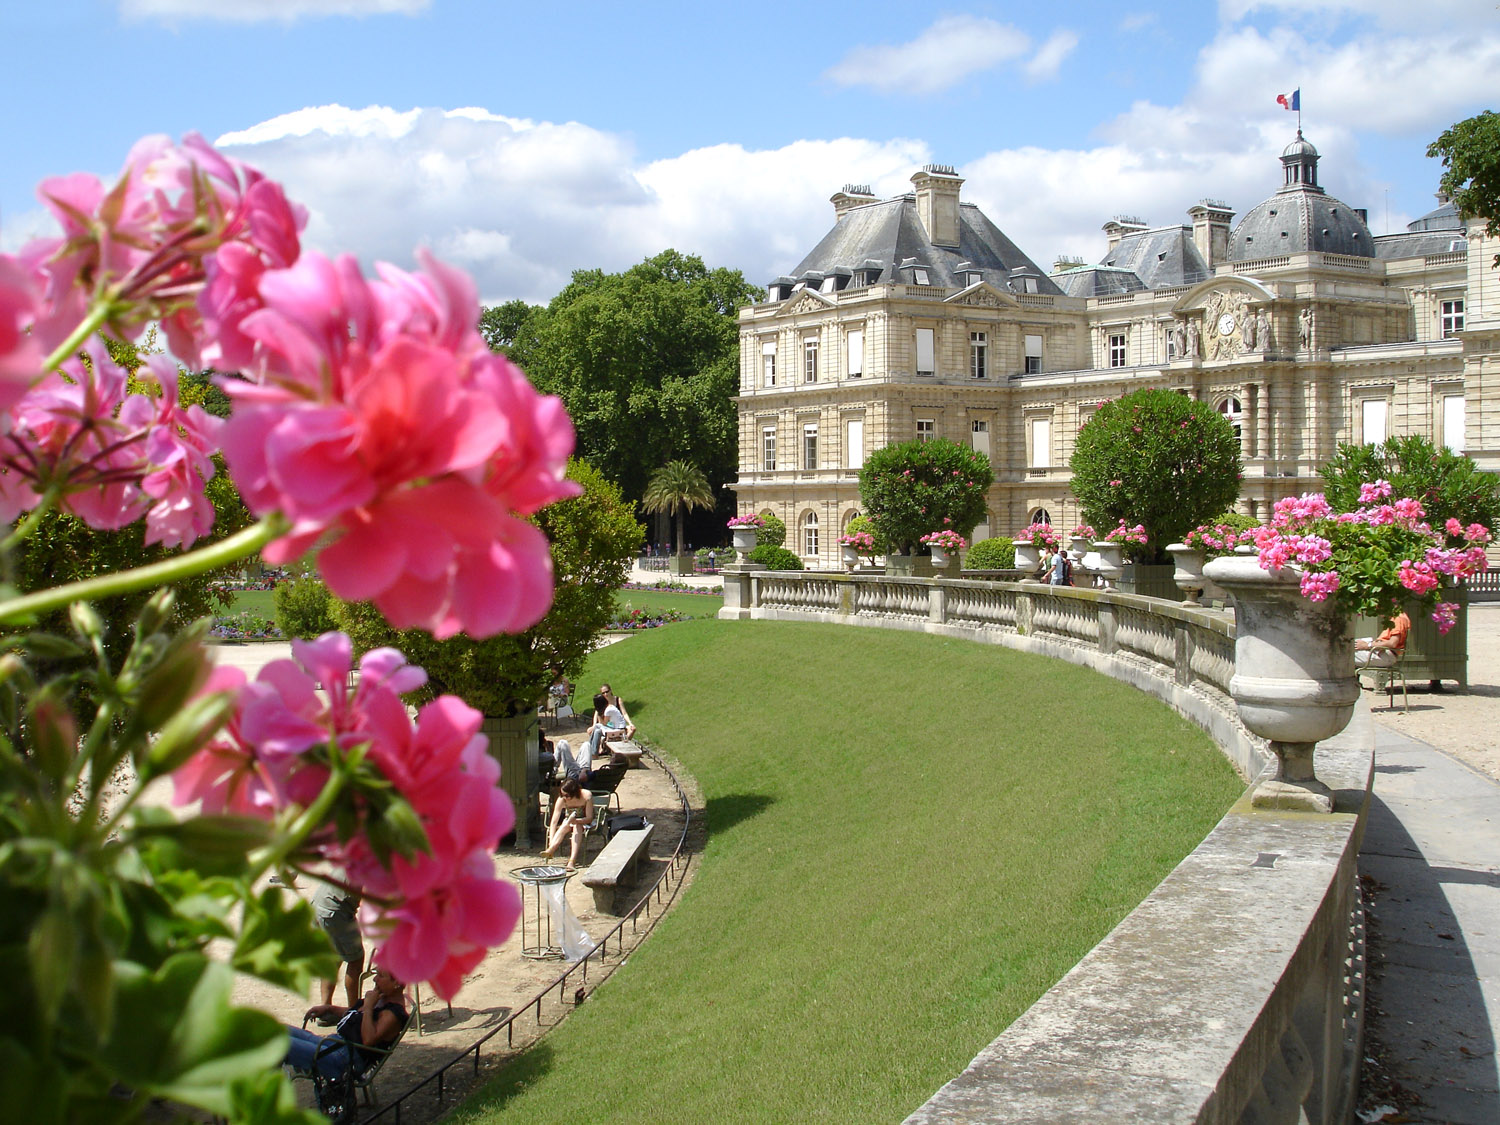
1291 101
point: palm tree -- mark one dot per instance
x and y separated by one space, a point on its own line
675 488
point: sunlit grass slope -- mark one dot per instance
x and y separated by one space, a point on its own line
911 838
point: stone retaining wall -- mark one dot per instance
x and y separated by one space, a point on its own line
1234 992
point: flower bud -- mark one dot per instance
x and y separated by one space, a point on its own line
186 731
86 621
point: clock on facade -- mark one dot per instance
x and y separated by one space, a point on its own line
1226 324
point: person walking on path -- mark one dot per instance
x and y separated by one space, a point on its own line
336 906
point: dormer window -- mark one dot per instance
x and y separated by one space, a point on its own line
919 276
973 277
830 285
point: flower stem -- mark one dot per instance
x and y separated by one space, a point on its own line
86 328
144 577
275 854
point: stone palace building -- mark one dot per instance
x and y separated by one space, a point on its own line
916 317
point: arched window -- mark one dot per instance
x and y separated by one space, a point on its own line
1230 408
810 534
844 523
1041 515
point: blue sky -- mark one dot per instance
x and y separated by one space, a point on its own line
525 141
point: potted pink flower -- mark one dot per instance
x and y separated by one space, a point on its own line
1207 541
854 544
745 530
1030 542
942 544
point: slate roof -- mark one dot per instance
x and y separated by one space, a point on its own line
890 234
1440 231
1097 281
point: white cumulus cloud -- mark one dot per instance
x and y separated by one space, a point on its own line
264 11
946 53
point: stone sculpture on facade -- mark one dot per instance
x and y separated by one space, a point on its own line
1304 327
1179 339
1263 330
1246 320
1192 338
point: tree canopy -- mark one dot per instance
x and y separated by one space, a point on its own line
915 487
1470 151
646 361
1159 459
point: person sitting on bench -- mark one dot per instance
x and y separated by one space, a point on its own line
377 1021
1383 651
610 724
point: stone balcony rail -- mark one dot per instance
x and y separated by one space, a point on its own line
1234 992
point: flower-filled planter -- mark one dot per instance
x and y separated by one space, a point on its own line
942 544
745 530
1030 542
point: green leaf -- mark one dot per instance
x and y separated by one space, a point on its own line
34 1089
280 942
186 732
268 1099
176 1035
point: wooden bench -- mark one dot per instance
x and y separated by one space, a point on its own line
615 865
626 751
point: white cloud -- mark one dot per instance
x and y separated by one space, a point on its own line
1385 13
1043 65
261 11
521 204
1138 21
946 53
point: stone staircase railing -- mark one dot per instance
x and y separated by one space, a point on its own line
1234 992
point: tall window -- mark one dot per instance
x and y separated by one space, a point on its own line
925 363
1453 422
1453 318
856 349
1041 444
1230 408
768 448
1041 515
924 429
810 360
980 430
978 347
810 534
1171 345
854 443
1372 415
1117 349
810 446
1033 354
768 364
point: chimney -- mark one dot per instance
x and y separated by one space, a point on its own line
1118 227
937 202
1211 230
852 196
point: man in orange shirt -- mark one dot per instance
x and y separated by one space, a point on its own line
1382 651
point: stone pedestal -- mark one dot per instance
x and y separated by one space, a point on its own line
736 578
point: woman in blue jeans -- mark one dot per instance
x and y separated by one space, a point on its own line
382 1015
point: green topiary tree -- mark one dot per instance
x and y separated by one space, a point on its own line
1448 484
304 608
916 487
1156 458
594 538
998 553
773 534
775 558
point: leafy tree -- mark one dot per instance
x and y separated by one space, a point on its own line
594 538
678 488
1448 484
646 361
998 553
512 328
916 487
774 533
866 524
1156 458
775 558
1470 151
304 608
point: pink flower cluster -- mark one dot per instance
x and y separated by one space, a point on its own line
436 912
1084 531
1038 535
947 540
1344 551
750 519
862 541
1216 539
1123 534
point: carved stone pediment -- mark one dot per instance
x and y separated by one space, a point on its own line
981 295
807 301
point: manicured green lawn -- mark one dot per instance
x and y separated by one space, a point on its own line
262 602
660 601
910 839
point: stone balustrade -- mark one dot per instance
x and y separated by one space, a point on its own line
1234 992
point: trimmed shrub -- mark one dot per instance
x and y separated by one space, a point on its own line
1159 459
775 558
918 487
1448 484
303 608
773 534
998 553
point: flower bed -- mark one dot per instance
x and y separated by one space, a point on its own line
245 626
636 619
675 587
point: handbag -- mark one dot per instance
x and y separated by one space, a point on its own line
625 822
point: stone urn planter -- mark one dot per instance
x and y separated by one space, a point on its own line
850 558
744 542
1110 564
1293 682
939 556
1187 573
1028 557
